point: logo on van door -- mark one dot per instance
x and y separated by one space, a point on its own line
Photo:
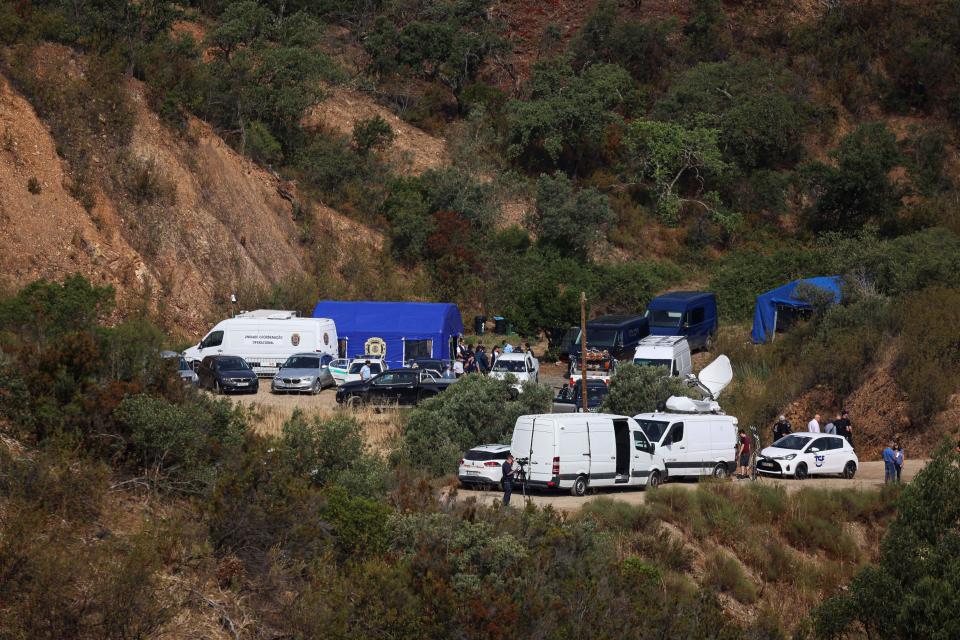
295 339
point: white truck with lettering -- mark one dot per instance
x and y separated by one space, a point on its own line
265 338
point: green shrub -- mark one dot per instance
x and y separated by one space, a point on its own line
372 134
641 389
724 573
618 515
568 220
359 524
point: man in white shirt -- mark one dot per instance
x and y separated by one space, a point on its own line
814 425
458 367
365 371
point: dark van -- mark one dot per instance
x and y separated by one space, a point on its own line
684 313
619 335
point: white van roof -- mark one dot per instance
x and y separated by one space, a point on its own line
661 341
269 314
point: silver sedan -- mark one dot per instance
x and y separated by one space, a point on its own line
303 373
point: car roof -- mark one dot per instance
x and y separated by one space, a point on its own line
513 355
682 296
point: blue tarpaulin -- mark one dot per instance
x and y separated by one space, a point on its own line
407 329
765 312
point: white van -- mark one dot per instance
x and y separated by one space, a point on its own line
266 338
693 437
671 352
577 450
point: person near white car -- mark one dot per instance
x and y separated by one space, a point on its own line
803 454
814 425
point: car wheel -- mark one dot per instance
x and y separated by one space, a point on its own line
850 470
317 388
720 471
579 488
653 482
801 472
353 402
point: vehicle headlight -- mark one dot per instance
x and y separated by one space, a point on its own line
790 457
307 378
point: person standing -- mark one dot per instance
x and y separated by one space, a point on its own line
781 429
830 428
448 373
470 366
898 459
494 355
458 367
507 468
814 425
889 464
365 371
483 364
844 428
743 454
507 347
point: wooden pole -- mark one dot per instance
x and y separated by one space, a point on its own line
584 400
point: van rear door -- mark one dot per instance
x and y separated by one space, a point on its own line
534 438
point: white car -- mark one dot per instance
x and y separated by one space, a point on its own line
338 369
523 366
805 454
483 465
377 366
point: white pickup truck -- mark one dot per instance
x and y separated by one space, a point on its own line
523 366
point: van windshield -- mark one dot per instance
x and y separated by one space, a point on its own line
652 362
660 318
603 337
510 366
653 428
793 442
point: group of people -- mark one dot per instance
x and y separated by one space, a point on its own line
892 462
840 426
477 360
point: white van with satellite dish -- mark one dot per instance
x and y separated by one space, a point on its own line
694 437
265 338
670 352
578 450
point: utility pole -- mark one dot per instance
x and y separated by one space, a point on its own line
584 400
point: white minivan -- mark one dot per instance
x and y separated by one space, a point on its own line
578 450
670 352
694 437
266 338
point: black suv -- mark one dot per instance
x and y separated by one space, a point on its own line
221 374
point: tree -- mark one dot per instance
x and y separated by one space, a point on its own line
372 134
641 389
568 220
857 189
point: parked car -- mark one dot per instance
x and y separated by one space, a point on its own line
483 465
431 364
692 314
186 372
569 400
670 352
617 335
377 366
339 369
804 454
395 387
600 365
265 338
576 451
304 373
522 366
222 374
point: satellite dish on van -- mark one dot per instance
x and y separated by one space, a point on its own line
716 376
683 404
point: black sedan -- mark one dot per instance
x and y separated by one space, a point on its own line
222 374
403 387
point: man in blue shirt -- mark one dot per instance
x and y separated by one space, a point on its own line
507 479
889 464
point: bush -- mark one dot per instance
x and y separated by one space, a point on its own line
724 573
618 515
372 134
567 220
642 389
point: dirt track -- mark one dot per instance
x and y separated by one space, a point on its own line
870 476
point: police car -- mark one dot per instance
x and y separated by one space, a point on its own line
804 454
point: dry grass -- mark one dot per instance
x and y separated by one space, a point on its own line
380 428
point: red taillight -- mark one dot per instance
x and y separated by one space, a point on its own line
607 381
491 463
556 466
461 462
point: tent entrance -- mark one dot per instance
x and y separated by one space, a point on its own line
786 316
417 349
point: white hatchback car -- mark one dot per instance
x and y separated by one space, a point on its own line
483 465
804 454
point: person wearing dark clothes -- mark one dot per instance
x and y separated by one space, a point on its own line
781 428
743 455
482 362
843 427
507 479
470 366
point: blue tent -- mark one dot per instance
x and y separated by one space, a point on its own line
765 312
406 329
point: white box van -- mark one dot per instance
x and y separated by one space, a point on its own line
266 338
576 450
694 437
671 352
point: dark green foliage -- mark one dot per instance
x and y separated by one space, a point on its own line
857 190
744 274
704 30
929 366
566 220
925 153
563 121
914 591
641 389
476 409
359 524
372 134
759 109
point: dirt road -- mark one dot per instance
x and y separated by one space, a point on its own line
869 476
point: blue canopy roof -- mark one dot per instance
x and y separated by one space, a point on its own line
765 311
394 323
